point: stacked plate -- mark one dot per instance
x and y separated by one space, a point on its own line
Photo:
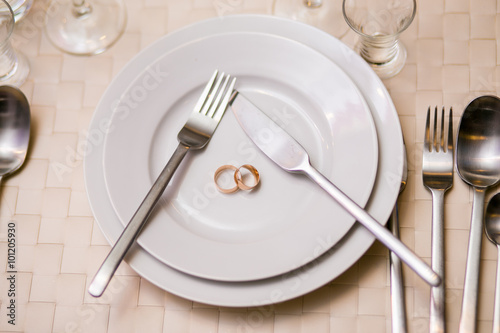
284 238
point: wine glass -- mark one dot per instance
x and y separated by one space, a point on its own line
14 67
82 27
379 24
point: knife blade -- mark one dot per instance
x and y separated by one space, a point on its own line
287 153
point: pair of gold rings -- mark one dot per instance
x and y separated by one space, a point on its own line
238 178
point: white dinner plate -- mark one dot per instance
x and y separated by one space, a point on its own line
247 235
306 278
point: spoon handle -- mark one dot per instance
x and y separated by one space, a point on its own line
379 231
496 308
471 285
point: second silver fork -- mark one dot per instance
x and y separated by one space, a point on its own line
437 172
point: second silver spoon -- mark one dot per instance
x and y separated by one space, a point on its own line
492 227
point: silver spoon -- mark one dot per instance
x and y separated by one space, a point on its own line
15 121
478 164
492 227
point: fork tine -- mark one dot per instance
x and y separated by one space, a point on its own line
427 136
223 105
217 99
206 91
450 130
211 95
434 135
442 130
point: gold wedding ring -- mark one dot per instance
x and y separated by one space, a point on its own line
238 178
218 172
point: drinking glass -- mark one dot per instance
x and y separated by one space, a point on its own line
14 67
82 27
379 24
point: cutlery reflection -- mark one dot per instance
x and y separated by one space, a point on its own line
195 134
292 157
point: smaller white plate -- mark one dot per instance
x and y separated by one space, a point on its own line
249 235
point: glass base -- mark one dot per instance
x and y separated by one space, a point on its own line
325 15
313 3
85 33
18 75
390 68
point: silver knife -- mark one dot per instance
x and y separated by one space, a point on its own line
398 306
292 157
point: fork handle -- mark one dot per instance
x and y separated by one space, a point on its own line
134 227
437 307
377 229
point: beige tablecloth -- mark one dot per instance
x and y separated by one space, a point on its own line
452 58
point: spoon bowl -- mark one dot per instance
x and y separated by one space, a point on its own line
492 227
478 164
478 142
15 123
492 220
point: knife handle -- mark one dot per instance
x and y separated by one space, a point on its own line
378 230
398 305
134 227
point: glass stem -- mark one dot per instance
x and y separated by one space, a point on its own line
81 8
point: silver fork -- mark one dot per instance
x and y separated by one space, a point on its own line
437 170
195 134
